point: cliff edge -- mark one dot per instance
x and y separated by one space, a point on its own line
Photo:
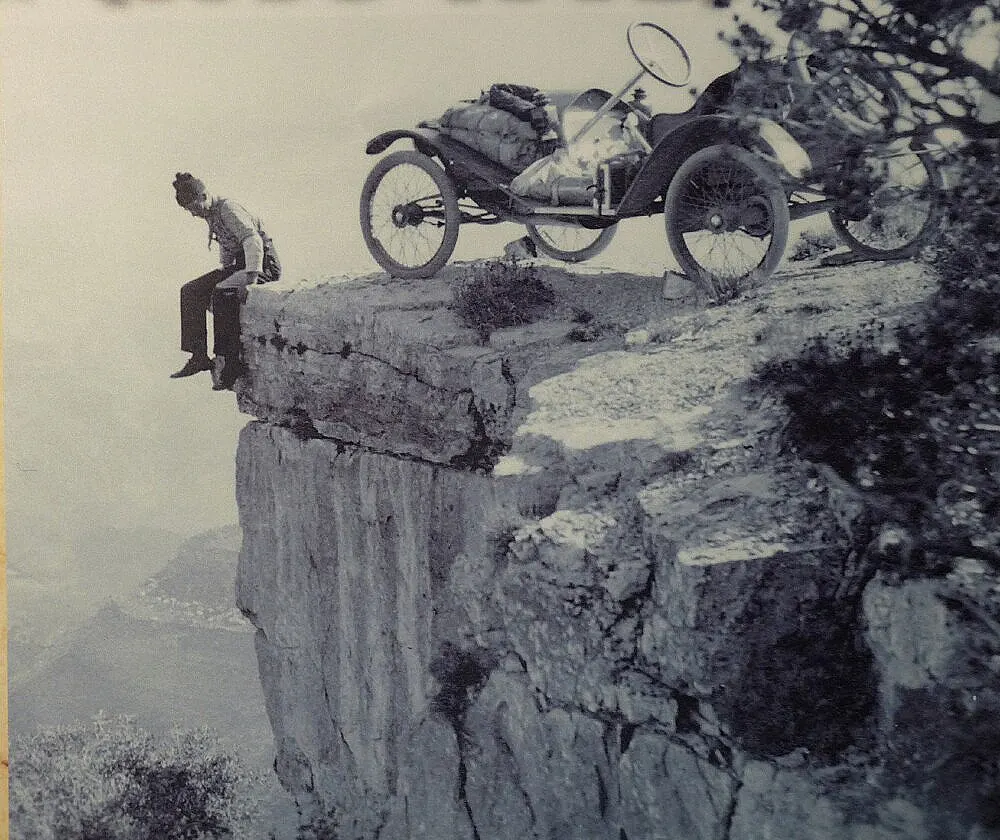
559 588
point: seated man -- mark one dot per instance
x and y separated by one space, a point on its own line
247 256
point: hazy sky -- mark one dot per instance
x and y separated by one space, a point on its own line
270 103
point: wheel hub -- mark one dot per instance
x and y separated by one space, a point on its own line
716 221
752 216
720 219
404 215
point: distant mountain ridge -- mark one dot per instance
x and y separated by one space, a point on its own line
173 652
181 590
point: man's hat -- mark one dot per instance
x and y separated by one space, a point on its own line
188 188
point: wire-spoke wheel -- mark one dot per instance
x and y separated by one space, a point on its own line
409 215
726 216
570 243
903 206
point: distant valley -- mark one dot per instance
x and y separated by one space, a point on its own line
172 651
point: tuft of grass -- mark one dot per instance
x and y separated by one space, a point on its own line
494 294
588 332
812 244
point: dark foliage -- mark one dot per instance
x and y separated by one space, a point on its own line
461 674
321 827
111 780
922 44
912 419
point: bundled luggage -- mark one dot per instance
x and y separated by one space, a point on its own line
509 124
513 125
501 136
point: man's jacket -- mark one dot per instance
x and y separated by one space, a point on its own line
238 233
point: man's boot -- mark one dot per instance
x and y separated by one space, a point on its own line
196 364
228 370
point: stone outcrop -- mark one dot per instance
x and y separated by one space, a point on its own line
547 588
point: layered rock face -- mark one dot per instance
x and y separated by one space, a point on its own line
556 589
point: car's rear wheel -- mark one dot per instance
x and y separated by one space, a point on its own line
570 243
727 219
901 207
409 215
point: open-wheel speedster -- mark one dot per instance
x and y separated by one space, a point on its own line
716 174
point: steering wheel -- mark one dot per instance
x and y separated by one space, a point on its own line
659 53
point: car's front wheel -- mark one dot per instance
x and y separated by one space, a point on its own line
727 219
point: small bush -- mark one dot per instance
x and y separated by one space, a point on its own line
461 674
320 827
812 244
500 293
112 780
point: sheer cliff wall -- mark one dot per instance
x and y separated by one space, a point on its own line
556 589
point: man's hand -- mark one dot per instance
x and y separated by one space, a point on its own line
254 277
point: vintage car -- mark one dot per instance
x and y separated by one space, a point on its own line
726 181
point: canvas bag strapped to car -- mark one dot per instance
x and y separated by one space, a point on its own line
480 116
499 135
524 102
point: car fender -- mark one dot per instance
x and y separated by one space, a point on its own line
669 153
423 140
678 145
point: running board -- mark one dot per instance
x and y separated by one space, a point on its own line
521 205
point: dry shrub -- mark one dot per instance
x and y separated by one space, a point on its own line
112 780
812 244
500 293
